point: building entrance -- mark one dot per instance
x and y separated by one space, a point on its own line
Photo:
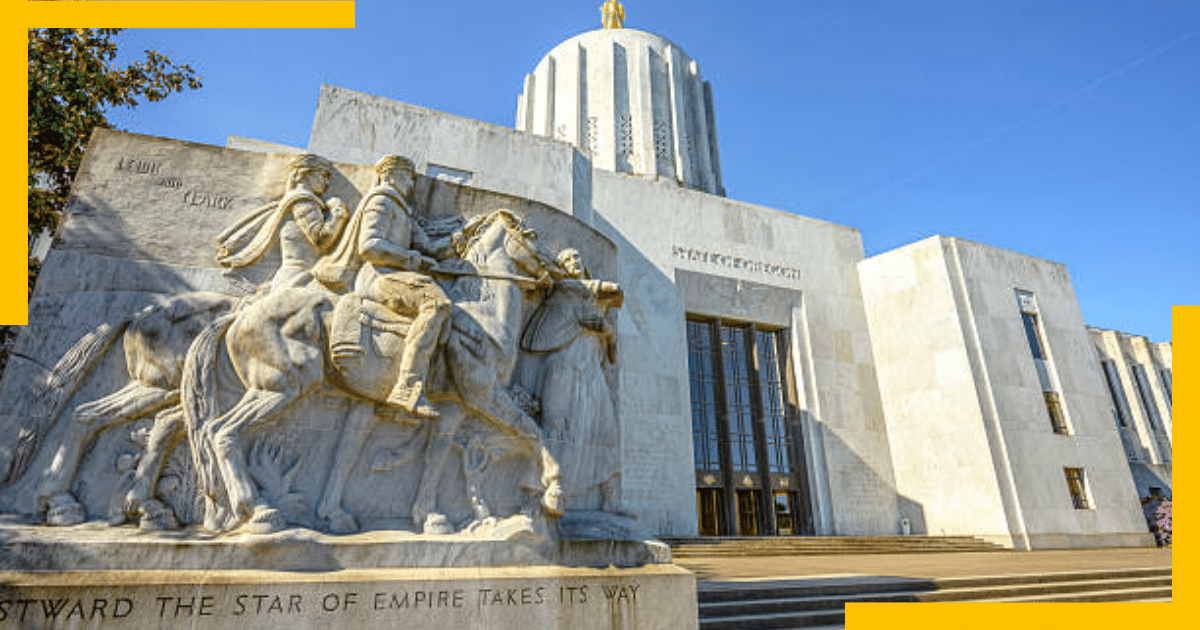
750 473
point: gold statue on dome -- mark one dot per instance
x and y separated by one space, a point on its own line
612 14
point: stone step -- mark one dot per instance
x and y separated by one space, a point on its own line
818 551
776 621
825 545
822 541
842 544
673 540
832 586
743 608
717 592
1039 589
1101 590
810 602
980 544
1053 576
1154 594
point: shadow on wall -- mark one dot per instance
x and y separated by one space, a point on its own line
76 291
854 506
656 484
1146 477
654 342
912 515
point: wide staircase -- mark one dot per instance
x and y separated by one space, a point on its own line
824 545
820 602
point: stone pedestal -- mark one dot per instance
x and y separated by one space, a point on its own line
646 598
96 547
94 576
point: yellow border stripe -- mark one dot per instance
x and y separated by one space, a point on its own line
1185 372
340 14
924 616
14 162
193 14
1185 413
122 14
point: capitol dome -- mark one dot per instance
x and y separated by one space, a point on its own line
633 101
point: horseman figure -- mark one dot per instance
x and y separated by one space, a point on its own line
306 225
353 306
387 254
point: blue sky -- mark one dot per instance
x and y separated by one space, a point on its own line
1064 130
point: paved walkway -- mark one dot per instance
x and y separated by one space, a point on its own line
925 565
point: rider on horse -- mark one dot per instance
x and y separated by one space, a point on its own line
306 225
386 252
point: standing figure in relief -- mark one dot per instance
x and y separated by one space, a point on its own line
578 414
307 225
391 253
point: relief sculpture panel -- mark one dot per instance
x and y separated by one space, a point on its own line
325 347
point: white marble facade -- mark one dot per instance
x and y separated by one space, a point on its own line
891 359
1138 379
662 230
976 446
911 396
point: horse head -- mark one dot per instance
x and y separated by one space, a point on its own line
503 231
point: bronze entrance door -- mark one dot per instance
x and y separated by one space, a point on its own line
750 474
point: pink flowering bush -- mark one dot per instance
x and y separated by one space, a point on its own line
1164 522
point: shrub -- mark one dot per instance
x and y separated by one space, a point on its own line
1164 522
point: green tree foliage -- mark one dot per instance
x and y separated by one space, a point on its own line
73 83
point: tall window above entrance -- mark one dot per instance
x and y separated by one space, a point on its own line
749 474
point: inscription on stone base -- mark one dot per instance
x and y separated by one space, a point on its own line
647 598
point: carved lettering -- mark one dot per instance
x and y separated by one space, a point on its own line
618 592
137 165
218 202
185 606
735 262
51 608
65 608
119 612
333 602
570 595
399 603
265 604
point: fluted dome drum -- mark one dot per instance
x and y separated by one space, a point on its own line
633 101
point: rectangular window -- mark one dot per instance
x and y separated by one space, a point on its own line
1165 375
783 514
747 508
447 174
1054 407
1041 363
1120 405
737 399
779 442
1143 387
1075 484
704 406
1033 336
710 506
743 430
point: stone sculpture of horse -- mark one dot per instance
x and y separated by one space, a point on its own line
280 349
155 343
